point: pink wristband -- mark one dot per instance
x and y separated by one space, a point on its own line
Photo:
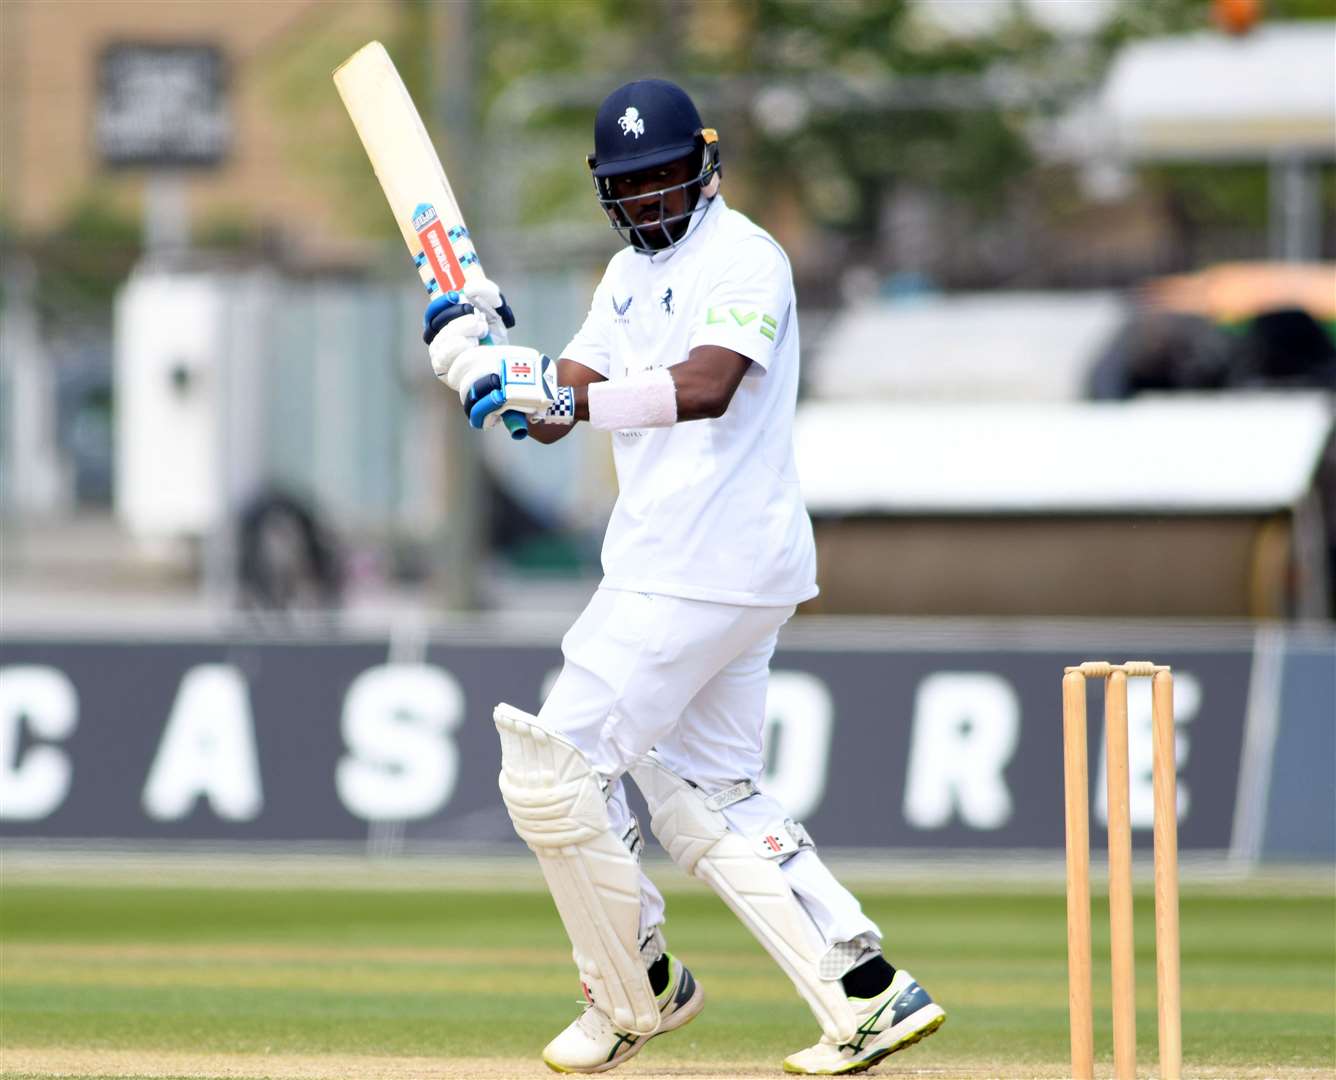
644 400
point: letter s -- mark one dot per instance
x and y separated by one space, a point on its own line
401 762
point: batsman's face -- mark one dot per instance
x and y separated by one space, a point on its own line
656 202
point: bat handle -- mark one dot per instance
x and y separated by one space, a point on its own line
514 421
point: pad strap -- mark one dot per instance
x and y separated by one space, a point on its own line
720 800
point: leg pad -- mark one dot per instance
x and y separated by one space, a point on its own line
700 841
556 802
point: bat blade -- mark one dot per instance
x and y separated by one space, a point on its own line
410 175
405 163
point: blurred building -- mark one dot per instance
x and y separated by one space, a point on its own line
975 149
278 171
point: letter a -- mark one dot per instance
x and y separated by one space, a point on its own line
207 750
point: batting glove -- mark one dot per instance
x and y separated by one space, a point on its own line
495 379
459 320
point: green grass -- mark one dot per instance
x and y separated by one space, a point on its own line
446 973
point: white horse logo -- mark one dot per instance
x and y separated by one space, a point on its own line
631 123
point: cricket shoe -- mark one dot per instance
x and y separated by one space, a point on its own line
899 1016
592 1043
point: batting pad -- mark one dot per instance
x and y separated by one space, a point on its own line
701 843
556 802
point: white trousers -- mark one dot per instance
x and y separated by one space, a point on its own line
688 679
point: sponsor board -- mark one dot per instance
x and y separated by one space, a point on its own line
330 741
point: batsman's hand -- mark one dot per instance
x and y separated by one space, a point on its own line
459 320
486 299
493 379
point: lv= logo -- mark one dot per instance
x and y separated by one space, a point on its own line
767 326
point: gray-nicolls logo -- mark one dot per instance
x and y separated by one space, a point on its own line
631 122
666 301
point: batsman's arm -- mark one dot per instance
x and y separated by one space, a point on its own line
699 388
706 381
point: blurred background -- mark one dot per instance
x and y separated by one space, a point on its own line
259 583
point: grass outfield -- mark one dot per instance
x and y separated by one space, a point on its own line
246 981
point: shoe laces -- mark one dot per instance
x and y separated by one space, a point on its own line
594 1024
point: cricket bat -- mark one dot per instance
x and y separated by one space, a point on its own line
411 176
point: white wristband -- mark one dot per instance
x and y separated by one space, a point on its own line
645 400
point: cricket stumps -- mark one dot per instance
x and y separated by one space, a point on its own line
1077 791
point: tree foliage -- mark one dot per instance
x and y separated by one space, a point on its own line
832 103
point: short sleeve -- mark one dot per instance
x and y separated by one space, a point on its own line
747 309
591 345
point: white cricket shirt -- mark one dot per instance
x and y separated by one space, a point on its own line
706 509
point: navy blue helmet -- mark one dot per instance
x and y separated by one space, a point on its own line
643 126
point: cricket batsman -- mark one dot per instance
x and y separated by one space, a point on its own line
689 356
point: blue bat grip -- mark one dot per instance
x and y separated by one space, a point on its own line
514 421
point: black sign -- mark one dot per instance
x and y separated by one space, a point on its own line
870 747
162 106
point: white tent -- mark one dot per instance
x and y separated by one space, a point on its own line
1221 453
1031 346
1215 96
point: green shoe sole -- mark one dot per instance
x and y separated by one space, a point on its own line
909 1040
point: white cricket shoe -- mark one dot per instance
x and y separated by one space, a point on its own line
899 1016
592 1043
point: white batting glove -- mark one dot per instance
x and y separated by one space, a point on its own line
485 296
495 379
477 363
463 319
457 336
